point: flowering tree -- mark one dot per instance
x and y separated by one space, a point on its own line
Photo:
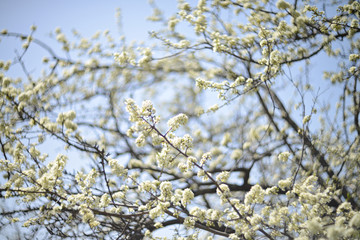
236 142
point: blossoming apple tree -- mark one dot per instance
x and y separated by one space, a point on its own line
240 120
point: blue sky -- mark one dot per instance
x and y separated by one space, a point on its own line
87 16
